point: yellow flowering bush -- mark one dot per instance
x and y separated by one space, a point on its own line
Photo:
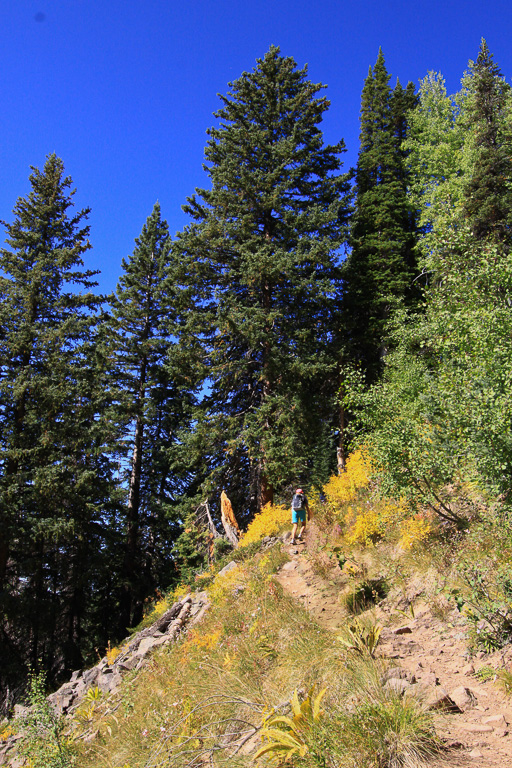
180 591
413 530
208 641
112 653
344 488
6 732
226 584
365 526
269 522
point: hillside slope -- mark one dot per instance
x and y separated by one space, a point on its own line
274 627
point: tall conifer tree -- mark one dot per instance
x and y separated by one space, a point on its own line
153 400
381 265
488 193
55 481
263 247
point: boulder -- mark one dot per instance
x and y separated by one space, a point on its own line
463 697
437 699
227 568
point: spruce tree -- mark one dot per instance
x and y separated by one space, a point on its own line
55 482
488 194
153 393
263 250
382 264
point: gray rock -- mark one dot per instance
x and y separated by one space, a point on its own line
397 686
90 676
396 673
227 568
463 697
128 664
437 699
146 644
20 711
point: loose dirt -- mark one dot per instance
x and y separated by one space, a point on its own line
430 651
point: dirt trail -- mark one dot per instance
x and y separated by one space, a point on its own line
429 655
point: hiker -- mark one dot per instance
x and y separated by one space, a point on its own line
300 509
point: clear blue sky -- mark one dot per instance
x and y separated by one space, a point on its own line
124 90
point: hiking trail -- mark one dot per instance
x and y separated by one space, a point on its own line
427 652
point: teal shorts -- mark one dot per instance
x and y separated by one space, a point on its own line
298 514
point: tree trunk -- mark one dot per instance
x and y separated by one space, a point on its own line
266 491
131 607
340 451
229 521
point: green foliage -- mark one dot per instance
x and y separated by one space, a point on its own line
388 733
44 743
361 637
262 252
382 264
57 479
485 591
441 418
221 548
152 383
288 739
365 593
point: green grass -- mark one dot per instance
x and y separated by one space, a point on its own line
199 698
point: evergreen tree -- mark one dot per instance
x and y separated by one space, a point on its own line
153 401
55 481
488 195
263 250
382 263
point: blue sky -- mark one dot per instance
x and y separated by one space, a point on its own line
124 91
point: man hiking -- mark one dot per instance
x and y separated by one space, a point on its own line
300 509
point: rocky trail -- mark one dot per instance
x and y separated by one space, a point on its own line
427 655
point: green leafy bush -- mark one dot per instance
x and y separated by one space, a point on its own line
44 744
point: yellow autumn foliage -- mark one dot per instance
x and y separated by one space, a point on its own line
226 583
344 488
207 641
414 530
270 521
369 524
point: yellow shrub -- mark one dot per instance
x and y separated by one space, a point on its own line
180 591
208 641
413 531
6 732
226 584
343 488
112 653
268 522
365 526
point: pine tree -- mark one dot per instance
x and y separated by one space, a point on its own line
55 482
153 401
263 250
381 266
488 195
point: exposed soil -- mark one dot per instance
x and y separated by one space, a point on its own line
430 650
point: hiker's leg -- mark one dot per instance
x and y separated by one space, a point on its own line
303 518
294 532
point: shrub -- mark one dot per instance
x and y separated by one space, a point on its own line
43 744
344 488
269 522
395 733
364 594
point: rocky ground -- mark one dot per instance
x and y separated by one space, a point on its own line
428 655
425 648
